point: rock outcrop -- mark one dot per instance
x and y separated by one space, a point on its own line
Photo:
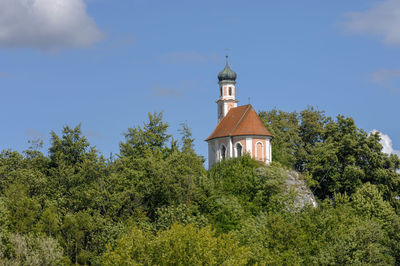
302 194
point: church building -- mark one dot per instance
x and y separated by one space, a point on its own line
239 128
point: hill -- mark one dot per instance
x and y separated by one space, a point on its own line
155 203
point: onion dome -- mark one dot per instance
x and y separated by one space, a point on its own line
227 74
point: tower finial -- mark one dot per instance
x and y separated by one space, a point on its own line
227 74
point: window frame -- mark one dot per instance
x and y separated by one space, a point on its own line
223 154
236 149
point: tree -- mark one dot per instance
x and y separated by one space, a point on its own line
149 182
187 140
273 239
16 249
182 214
338 155
242 177
152 137
368 202
311 131
10 161
76 171
71 148
361 243
348 157
125 210
284 127
180 245
24 211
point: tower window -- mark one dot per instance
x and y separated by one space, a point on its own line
230 91
223 152
238 149
220 91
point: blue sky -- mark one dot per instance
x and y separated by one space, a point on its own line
106 64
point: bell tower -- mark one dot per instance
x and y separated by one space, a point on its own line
227 90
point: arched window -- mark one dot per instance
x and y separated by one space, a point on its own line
260 151
230 91
220 91
223 152
238 149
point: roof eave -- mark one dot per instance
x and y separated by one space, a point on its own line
241 134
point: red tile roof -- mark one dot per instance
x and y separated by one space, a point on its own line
240 121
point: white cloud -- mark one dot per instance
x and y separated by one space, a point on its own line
163 92
125 41
186 57
93 134
46 24
3 75
33 133
386 142
176 91
386 77
382 20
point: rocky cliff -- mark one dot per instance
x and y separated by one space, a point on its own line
302 195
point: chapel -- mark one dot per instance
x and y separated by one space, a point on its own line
239 129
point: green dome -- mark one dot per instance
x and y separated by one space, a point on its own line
227 74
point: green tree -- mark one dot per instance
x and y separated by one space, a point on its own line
150 175
71 148
187 139
368 202
362 243
10 161
24 211
182 214
180 245
273 239
76 172
285 128
153 136
143 184
338 155
311 131
253 184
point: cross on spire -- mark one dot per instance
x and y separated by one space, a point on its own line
226 54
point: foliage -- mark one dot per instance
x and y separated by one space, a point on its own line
153 136
243 178
327 235
179 245
338 155
155 203
237 188
16 249
182 214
